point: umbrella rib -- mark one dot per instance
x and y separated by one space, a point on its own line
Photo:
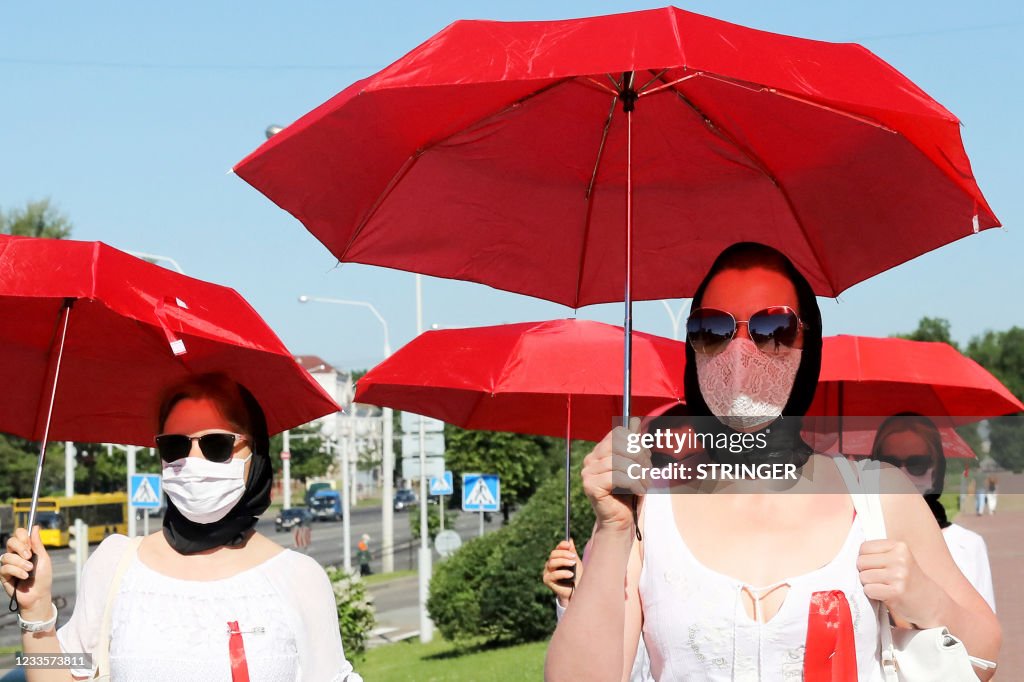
803 100
409 162
590 201
722 133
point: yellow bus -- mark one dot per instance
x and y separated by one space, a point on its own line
105 514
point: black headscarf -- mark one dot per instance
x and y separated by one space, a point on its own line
189 537
784 443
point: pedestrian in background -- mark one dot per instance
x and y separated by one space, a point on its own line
363 555
979 496
991 494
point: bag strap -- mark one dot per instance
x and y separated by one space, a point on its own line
868 506
103 649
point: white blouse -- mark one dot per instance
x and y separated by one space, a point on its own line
165 628
971 556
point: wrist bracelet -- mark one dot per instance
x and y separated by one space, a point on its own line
38 625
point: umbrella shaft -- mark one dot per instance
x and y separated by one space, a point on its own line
627 364
66 311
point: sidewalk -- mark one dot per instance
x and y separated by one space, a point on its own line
1004 535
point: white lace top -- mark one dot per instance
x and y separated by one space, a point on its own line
695 624
165 628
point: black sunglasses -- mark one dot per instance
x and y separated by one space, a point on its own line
216 447
772 330
916 465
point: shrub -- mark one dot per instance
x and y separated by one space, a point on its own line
492 586
356 616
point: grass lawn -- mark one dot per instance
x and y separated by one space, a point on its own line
440 661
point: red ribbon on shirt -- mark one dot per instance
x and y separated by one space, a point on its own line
830 654
239 667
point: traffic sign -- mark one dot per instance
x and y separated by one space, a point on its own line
446 542
145 491
411 423
411 466
481 492
442 485
433 444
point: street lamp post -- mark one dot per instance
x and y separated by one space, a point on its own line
426 559
677 318
387 511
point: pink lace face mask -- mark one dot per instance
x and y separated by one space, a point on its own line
745 387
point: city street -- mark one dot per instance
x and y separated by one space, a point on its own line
396 603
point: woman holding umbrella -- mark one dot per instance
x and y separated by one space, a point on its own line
911 442
727 587
206 598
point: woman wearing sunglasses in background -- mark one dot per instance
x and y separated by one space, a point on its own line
207 597
911 442
746 586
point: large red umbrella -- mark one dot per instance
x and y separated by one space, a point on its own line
503 153
556 378
92 336
864 380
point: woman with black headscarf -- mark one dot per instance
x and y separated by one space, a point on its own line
755 586
206 597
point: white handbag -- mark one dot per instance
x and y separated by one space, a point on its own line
931 655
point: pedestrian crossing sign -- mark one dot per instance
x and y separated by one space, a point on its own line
145 491
442 485
481 492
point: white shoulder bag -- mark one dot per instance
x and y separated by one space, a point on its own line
931 655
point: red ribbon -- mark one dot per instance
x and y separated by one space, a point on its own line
239 667
830 654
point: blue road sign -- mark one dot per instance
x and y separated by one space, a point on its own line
145 491
442 485
481 493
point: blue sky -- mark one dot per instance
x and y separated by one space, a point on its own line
128 116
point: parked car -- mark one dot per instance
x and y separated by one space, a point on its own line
326 505
289 518
405 498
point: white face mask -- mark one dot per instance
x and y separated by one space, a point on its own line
204 491
744 387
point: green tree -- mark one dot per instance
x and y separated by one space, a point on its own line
37 219
1002 353
18 461
311 455
521 462
931 329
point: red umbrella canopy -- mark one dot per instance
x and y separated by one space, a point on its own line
497 152
865 380
133 329
886 376
520 377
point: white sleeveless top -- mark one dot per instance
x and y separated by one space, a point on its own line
697 629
